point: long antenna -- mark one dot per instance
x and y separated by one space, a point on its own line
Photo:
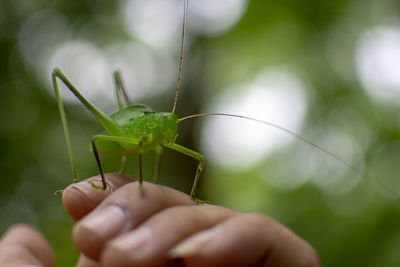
297 136
185 9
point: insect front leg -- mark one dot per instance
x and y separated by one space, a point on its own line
140 171
96 155
157 167
140 154
200 158
108 138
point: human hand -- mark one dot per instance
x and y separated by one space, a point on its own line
23 246
163 227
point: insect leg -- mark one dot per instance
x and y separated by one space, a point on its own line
120 89
109 124
65 127
140 171
117 139
200 158
140 164
96 155
124 161
159 151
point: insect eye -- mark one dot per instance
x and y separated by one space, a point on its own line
145 111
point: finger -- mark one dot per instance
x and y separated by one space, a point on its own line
246 239
22 245
86 262
126 208
149 243
81 198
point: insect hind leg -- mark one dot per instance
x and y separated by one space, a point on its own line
200 158
57 74
120 90
124 161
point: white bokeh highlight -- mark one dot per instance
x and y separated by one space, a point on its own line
378 63
276 96
159 22
154 22
85 67
39 37
210 17
146 72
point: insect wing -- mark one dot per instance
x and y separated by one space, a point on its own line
123 116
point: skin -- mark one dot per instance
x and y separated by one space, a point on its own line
160 227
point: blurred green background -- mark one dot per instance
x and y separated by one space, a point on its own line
329 70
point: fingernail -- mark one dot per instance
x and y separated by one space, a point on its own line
108 221
86 188
193 244
135 242
90 185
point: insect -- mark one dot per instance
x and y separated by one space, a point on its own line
140 129
132 129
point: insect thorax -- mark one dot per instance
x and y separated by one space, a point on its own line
150 127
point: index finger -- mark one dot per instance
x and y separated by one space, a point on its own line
123 210
81 198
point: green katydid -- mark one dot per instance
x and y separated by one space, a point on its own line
139 129
133 128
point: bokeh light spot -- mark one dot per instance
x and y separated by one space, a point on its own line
214 17
155 22
275 96
85 67
40 36
378 63
145 71
331 175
